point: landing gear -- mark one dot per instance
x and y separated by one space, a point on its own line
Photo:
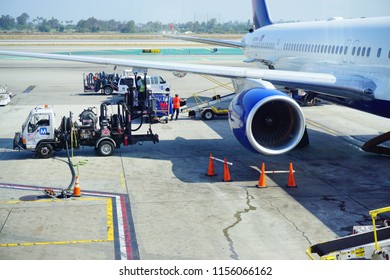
373 145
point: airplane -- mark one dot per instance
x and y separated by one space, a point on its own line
346 60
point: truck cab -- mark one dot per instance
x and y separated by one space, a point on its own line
38 132
154 83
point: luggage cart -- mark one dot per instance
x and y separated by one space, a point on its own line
161 104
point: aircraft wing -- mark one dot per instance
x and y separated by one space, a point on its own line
287 77
218 42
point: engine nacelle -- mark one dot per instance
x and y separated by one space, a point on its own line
266 121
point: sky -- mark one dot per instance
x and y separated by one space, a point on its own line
181 11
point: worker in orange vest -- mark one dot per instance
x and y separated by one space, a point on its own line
176 106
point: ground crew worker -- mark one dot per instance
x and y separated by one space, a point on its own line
141 91
176 106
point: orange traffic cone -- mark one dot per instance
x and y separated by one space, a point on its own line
261 183
210 170
226 173
291 180
76 188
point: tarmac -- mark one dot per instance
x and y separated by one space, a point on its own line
155 202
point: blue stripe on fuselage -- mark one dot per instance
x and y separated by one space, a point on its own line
376 107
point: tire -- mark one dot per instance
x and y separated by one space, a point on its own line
208 115
44 151
107 90
105 148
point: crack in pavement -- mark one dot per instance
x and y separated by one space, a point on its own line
290 221
238 217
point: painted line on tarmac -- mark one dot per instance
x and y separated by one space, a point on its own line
110 222
324 128
120 229
29 89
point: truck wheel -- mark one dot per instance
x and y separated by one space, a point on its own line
44 151
105 148
108 90
208 115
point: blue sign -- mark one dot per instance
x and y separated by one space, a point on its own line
43 131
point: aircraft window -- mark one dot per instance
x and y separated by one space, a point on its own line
358 51
368 52
378 54
329 49
363 51
341 50
345 50
311 48
353 50
333 47
389 55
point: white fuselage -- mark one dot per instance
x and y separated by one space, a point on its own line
353 47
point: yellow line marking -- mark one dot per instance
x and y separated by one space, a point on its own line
123 181
54 243
50 200
320 126
110 221
110 225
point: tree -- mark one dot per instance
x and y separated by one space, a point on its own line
7 22
129 27
211 25
22 20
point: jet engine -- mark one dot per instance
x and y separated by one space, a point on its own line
266 121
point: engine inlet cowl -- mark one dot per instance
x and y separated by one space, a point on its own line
266 121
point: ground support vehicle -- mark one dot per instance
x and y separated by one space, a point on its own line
103 82
5 96
368 243
304 98
111 83
155 84
208 109
104 132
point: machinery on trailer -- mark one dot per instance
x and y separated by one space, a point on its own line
366 243
106 83
103 132
208 109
